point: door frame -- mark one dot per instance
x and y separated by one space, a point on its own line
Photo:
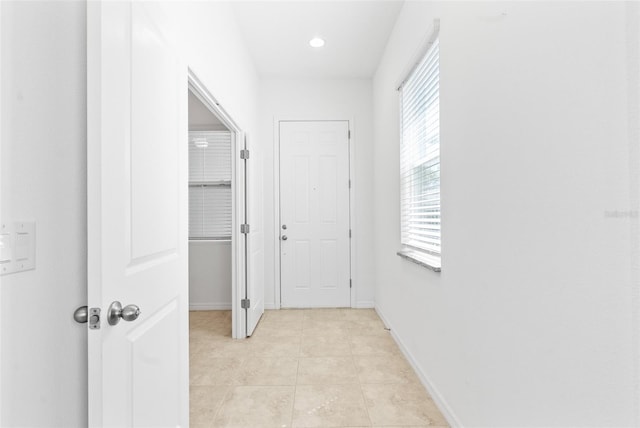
1 140
238 257
276 201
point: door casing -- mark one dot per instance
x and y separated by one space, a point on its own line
276 201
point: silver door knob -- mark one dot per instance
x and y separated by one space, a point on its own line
284 237
81 314
128 313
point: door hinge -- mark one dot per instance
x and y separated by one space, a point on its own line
349 183
244 154
349 233
244 228
245 303
349 134
350 283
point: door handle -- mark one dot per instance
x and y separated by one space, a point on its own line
81 314
128 313
284 237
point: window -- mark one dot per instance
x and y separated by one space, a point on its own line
210 185
420 161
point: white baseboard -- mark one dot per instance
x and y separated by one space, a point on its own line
365 304
426 382
209 306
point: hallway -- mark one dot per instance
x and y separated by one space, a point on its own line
303 368
493 213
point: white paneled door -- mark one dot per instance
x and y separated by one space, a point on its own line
254 239
137 218
314 214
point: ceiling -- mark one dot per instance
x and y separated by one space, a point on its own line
277 34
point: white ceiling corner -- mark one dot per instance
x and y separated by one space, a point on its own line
277 34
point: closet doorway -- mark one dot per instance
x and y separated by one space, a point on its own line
210 211
217 249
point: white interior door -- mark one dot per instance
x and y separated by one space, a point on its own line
137 217
314 214
255 238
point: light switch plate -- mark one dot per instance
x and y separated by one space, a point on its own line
6 248
6 252
17 246
22 247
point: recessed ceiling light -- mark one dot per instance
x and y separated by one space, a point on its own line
316 42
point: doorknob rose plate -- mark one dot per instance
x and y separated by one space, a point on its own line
116 312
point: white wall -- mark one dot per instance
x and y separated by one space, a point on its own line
209 275
309 99
531 322
43 360
214 49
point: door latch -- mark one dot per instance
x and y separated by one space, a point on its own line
94 319
84 314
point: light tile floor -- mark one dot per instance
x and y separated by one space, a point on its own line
304 368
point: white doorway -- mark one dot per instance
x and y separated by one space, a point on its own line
210 210
230 215
314 227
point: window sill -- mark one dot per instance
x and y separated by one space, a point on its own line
422 259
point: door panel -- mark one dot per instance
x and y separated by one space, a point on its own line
137 216
153 164
302 186
328 193
328 260
155 397
301 258
314 206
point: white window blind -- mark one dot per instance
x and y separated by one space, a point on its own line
209 185
420 157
